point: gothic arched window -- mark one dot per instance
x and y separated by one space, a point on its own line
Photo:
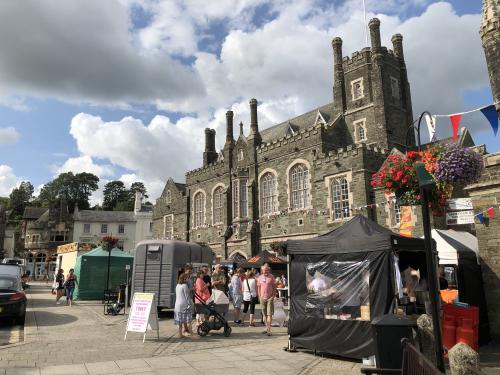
199 209
218 205
299 187
340 198
268 194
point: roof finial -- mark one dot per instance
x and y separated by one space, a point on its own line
241 128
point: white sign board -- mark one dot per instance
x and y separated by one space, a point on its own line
459 204
143 314
460 217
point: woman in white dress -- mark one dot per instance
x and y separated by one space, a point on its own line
250 298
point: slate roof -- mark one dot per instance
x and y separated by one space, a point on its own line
298 123
104 216
33 213
181 187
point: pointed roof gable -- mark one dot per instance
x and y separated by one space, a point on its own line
298 123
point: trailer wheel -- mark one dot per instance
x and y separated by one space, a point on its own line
203 330
227 331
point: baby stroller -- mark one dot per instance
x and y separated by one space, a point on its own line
217 305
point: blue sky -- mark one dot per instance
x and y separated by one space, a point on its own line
124 88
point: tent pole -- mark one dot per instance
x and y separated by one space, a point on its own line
290 349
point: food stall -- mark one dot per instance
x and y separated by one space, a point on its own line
342 280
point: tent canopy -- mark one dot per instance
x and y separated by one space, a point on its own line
260 259
91 270
340 281
452 245
360 234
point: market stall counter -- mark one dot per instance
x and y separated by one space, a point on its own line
339 282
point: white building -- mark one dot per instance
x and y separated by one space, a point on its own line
129 227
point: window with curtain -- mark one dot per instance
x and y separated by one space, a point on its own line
299 187
218 205
340 198
199 209
268 194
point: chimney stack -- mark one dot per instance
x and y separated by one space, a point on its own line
374 26
254 126
210 155
339 100
229 127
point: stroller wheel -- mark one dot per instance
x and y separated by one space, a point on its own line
203 330
227 331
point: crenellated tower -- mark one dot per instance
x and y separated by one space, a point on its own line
371 91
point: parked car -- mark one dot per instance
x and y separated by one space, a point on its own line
12 298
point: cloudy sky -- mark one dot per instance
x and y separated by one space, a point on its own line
124 88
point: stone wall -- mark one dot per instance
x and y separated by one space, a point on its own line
486 193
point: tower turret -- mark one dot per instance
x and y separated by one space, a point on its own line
339 100
490 36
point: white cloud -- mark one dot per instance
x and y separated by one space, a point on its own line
84 164
84 53
8 180
8 135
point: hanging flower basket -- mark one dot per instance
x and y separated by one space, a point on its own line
108 243
449 166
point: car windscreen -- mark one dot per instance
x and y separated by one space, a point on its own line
8 283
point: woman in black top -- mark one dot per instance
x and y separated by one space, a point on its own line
59 285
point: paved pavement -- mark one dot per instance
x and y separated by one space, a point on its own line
81 340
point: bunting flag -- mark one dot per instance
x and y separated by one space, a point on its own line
480 217
431 126
491 212
491 114
455 123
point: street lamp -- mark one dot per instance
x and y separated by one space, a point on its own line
425 183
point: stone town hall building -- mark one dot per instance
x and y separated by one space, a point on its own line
303 176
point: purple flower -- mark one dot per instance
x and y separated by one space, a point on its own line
459 165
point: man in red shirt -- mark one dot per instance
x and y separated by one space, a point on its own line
266 288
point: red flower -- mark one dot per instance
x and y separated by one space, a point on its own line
398 176
388 184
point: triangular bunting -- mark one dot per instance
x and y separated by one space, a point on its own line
491 212
480 217
490 113
455 123
431 126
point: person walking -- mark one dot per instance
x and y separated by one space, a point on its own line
70 284
59 285
202 295
219 279
183 309
237 292
266 288
250 297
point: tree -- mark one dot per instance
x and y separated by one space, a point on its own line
118 198
20 197
139 187
114 191
75 189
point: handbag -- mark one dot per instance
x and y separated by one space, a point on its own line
254 300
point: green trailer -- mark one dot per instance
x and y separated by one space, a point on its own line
92 269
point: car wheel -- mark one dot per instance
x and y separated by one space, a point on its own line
20 319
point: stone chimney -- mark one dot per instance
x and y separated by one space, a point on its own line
339 96
138 201
254 125
210 155
229 127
